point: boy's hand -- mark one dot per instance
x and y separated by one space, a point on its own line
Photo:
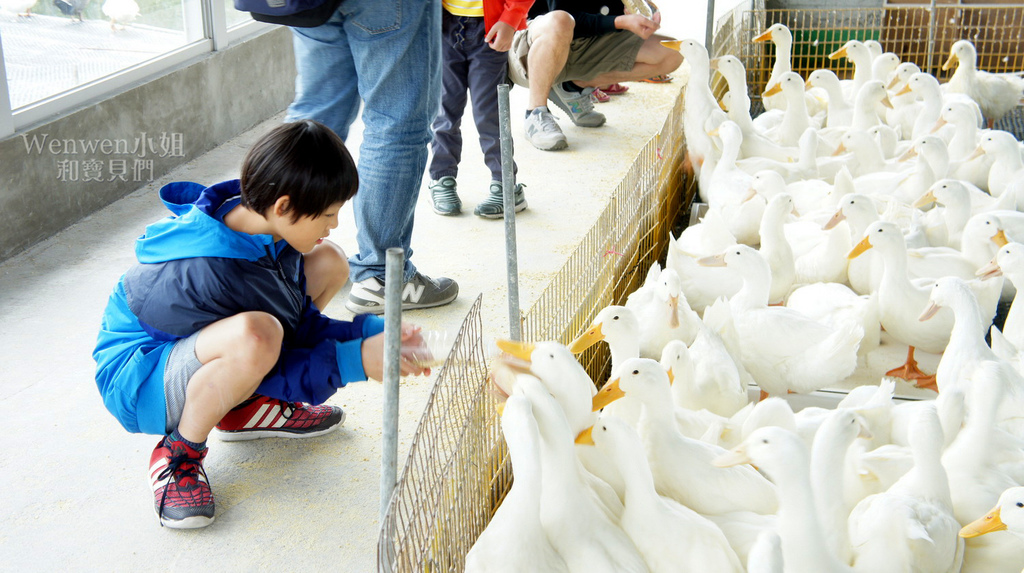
500 37
638 24
373 353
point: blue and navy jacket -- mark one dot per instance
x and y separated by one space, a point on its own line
194 270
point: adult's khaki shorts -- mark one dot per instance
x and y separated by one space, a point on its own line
588 57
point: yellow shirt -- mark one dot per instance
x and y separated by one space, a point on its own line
464 7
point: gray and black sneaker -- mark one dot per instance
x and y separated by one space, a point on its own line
542 131
494 206
445 198
420 292
578 105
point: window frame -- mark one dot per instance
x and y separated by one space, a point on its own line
216 36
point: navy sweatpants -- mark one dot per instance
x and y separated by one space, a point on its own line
467 64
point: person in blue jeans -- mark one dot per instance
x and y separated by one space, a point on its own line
385 55
476 34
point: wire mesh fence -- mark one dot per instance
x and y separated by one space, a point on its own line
458 470
916 33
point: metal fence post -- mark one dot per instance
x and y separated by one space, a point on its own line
393 284
508 185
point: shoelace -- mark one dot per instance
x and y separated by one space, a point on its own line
180 462
547 121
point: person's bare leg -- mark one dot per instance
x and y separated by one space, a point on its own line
326 272
653 59
236 352
551 35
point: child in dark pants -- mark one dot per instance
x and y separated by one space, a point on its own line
476 36
218 324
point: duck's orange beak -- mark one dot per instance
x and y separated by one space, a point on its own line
987 524
608 394
862 246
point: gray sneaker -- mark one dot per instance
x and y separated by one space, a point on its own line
445 198
494 206
543 132
578 105
420 292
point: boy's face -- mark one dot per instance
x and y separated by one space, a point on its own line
308 232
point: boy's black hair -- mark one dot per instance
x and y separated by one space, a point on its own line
304 160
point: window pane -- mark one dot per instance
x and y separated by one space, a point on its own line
234 17
66 43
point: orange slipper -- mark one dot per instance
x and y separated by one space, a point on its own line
659 79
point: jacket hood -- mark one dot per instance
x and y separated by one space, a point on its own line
194 229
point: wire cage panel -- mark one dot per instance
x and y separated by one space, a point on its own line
458 469
914 32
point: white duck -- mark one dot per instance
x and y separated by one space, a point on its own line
860 56
835 304
23 8
698 104
729 189
785 459
782 349
868 99
910 527
1009 262
1007 515
995 94
782 38
514 539
120 12
957 201
900 300
975 478
682 466
703 285
577 526
796 118
669 535
828 451
705 376
662 309
776 249
1007 165
963 116
754 144
566 380
619 327
840 112
967 350
926 89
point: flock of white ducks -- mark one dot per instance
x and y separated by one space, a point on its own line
855 221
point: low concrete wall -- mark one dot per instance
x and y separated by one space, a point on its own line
55 174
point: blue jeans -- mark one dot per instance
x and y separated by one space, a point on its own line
386 53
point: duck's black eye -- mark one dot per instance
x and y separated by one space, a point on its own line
605 428
635 372
615 318
764 441
551 355
1020 504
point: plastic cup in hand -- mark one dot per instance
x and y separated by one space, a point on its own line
437 345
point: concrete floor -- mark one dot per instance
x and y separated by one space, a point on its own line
76 494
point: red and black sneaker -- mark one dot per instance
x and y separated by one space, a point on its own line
263 417
183 498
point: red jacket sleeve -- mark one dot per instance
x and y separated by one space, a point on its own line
511 12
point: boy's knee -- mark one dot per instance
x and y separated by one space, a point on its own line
260 336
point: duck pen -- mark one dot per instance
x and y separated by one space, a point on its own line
920 32
458 469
